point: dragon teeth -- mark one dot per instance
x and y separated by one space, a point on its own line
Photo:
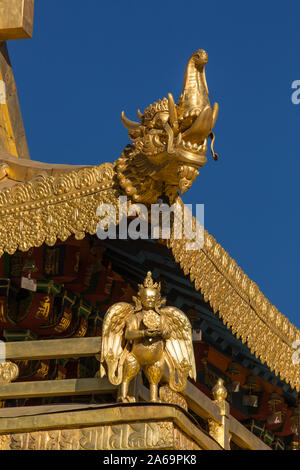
190 113
188 145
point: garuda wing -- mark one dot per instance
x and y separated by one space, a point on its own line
179 348
114 348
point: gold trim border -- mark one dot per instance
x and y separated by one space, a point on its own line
170 418
50 208
240 304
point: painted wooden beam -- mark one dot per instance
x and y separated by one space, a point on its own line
245 438
52 349
55 388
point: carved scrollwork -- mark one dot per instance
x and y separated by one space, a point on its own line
167 395
9 371
4 442
48 208
240 304
144 435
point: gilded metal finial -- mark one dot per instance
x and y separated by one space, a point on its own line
169 143
219 391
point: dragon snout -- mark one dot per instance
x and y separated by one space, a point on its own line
201 57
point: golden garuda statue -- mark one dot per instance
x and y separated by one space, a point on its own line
169 143
146 336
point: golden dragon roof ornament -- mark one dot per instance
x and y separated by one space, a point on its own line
169 143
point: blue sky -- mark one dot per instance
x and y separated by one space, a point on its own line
89 60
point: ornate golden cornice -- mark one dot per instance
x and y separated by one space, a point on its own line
49 208
241 305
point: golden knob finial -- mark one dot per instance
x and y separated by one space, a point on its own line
219 391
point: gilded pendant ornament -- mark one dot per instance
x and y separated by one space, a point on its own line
147 336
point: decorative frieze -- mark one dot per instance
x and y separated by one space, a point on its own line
135 436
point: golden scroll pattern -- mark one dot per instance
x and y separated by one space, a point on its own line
240 304
48 208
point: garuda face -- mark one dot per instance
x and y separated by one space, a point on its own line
169 143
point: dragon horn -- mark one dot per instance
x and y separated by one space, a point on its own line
139 114
131 125
172 109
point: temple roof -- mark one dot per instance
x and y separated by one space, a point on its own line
41 203
15 170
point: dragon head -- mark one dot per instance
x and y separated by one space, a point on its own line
169 143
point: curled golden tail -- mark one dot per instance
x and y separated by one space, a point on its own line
178 373
114 367
114 378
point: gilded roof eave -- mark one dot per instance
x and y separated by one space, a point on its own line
56 205
14 170
241 305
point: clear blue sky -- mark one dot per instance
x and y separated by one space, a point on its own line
89 60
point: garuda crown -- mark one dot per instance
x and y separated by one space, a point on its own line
148 282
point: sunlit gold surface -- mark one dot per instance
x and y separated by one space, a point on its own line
129 344
167 395
51 207
219 391
58 202
111 428
9 371
44 209
240 304
16 22
16 19
12 133
220 430
44 417
169 143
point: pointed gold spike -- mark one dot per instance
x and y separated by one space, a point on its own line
172 109
131 125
